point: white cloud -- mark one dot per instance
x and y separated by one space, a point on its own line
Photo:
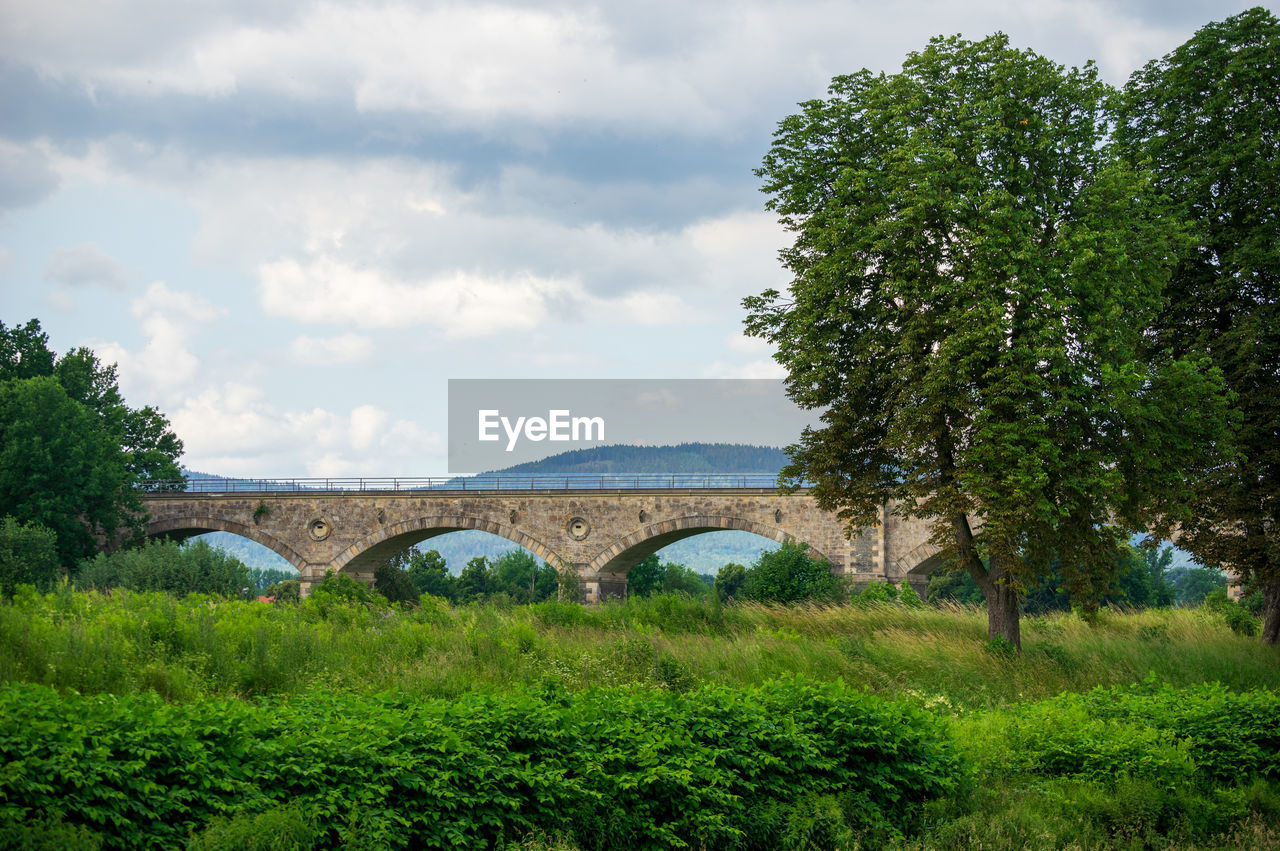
647 307
85 264
753 369
743 344
330 351
460 304
483 64
165 362
235 429
159 299
367 422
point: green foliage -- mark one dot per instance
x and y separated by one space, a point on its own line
1204 120
71 452
1232 613
518 575
964 244
263 578
954 586
645 578
568 586
475 581
790 575
430 574
1203 734
1194 584
729 581
394 584
874 593
712 768
284 591
28 555
281 828
652 576
188 568
345 762
908 597
24 352
58 468
337 589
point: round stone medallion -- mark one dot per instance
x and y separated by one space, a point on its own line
319 529
578 528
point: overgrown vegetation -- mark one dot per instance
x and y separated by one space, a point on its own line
194 568
382 722
607 768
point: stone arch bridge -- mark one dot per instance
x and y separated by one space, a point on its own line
598 527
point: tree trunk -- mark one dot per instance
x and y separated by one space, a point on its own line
1271 612
1003 613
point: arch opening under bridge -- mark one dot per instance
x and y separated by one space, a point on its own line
631 549
182 528
365 555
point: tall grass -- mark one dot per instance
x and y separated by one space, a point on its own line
201 646
1003 711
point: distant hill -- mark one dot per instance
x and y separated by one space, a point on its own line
685 458
701 553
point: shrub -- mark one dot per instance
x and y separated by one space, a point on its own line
1157 732
283 828
191 568
609 768
393 583
789 575
28 556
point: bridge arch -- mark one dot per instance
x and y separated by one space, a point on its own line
630 550
181 528
384 543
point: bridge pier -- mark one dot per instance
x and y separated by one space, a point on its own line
603 586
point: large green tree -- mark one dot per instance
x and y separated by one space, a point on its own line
972 274
1206 120
72 454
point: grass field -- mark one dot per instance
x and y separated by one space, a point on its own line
1045 759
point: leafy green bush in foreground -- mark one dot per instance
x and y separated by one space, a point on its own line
1145 766
608 768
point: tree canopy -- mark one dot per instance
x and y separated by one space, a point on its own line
72 454
972 271
1206 121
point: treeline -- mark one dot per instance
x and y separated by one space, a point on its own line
1145 578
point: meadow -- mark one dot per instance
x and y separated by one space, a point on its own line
1154 728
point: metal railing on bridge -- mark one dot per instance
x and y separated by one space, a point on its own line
221 485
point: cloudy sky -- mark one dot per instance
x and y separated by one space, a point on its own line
291 223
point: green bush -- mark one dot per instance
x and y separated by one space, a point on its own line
28 556
393 583
1236 616
191 568
282 828
790 575
610 768
1204 734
